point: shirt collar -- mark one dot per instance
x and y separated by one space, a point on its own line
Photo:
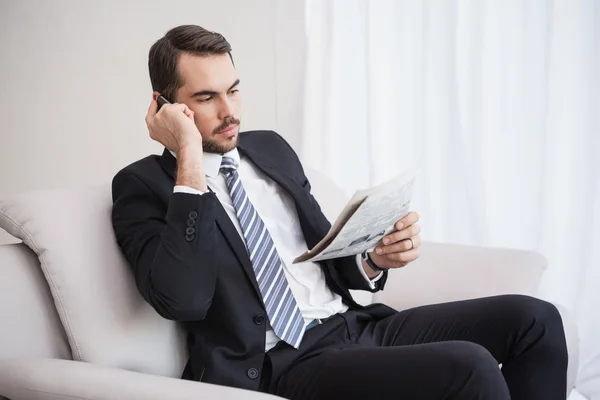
212 161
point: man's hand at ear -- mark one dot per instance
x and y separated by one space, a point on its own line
173 126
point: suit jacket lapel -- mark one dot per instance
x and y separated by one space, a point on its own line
169 164
306 212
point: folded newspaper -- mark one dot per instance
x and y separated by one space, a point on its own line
369 215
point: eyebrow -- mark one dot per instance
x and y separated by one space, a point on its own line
212 92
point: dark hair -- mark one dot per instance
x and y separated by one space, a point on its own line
164 55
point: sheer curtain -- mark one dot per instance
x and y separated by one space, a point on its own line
496 102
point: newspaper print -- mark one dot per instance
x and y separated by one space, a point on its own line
369 215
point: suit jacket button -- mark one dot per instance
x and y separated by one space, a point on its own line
259 319
252 373
191 222
189 238
190 230
193 214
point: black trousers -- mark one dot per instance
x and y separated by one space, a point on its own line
446 351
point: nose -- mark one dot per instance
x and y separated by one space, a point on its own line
226 108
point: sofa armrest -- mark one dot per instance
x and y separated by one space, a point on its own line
52 379
572 339
448 272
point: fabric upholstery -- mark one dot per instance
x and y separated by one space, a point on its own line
106 320
27 379
30 324
473 272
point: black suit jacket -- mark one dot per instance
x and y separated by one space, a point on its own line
191 265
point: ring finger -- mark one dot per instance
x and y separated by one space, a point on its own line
403 245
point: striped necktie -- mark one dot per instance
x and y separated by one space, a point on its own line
284 315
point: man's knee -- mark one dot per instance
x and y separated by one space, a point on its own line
472 358
543 322
529 311
478 371
532 309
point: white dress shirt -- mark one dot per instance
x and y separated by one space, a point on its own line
278 212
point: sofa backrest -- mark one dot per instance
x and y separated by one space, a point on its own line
30 324
105 320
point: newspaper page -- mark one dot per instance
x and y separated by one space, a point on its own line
369 215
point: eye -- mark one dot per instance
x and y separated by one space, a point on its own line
205 99
234 91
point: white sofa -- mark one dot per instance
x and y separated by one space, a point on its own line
74 326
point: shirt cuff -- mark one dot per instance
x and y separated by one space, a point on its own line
187 189
363 273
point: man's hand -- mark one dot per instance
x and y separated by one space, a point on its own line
400 247
173 126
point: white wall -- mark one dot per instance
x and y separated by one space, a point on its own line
75 88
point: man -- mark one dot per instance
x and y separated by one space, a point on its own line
210 229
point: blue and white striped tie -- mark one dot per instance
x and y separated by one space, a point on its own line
284 315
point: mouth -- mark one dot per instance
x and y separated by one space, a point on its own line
230 131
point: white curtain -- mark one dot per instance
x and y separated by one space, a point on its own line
496 101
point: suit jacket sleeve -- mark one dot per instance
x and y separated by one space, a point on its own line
173 256
345 266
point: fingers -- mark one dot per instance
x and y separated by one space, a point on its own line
180 107
401 259
416 241
403 245
177 106
189 113
151 110
409 219
408 232
397 250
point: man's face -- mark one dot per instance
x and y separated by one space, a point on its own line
211 91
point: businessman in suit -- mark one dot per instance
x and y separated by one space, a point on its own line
210 228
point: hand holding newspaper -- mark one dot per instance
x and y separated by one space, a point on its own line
369 215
